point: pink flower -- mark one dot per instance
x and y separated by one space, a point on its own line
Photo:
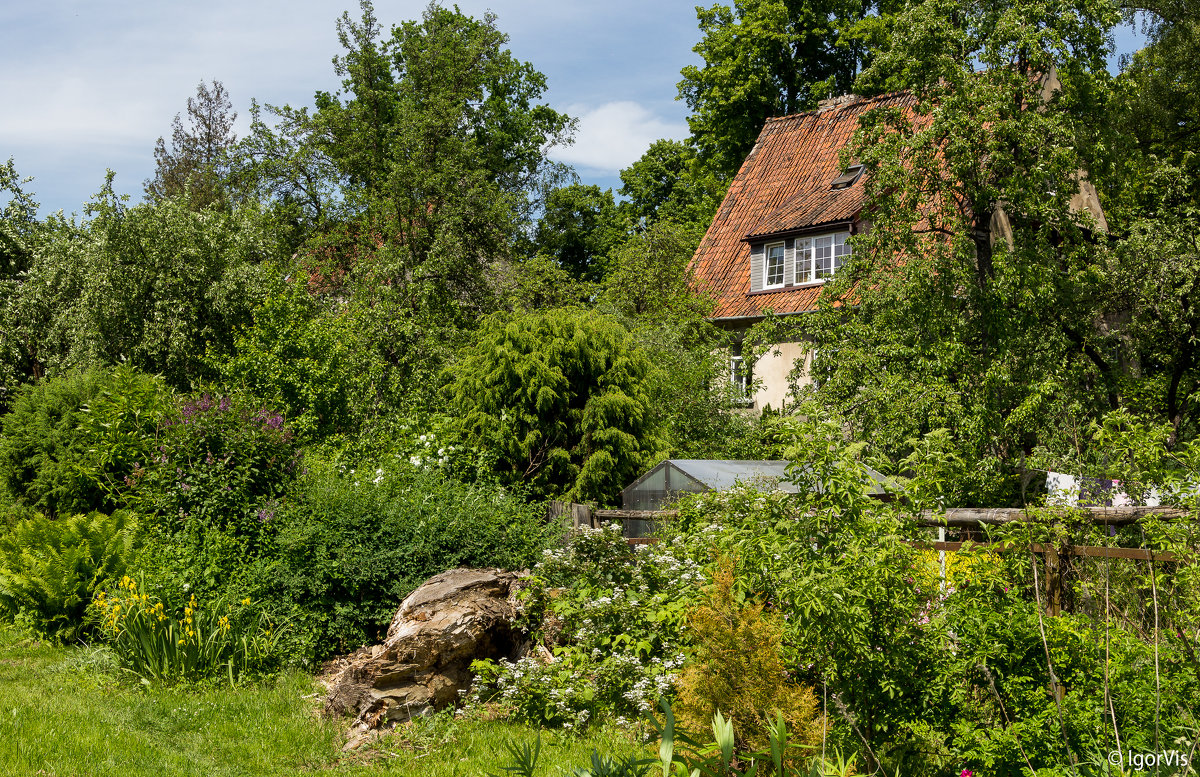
967 773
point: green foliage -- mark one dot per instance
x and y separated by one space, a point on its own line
310 361
353 544
120 426
737 670
204 641
612 617
540 283
579 227
50 570
923 675
764 58
608 766
18 222
223 465
649 284
682 752
667 184
196 168
157 285
649 275
977 293
435 146
44 444
561 398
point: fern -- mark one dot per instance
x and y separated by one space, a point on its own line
51 569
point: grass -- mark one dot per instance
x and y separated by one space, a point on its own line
69 711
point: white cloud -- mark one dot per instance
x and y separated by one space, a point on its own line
87 85
614 135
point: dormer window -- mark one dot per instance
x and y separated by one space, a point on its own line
820 257
773 267
797 261
847 179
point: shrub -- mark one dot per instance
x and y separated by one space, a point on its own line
72 442
50 570
223 465
613 619
737 669
201 642
313 362
41 447
119 426
562 399
352 545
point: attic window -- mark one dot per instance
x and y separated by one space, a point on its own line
847 179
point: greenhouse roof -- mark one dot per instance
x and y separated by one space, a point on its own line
720 474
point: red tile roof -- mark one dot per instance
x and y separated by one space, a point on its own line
784 185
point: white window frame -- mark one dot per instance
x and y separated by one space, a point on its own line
740 380
806 254
767 265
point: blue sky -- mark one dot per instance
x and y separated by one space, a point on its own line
86 86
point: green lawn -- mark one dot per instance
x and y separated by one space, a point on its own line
68 711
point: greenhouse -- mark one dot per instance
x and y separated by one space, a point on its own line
672 478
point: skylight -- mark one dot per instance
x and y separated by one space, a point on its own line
847 178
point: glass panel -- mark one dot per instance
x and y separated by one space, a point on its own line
774 267
823 249
803 261
655 481
841 250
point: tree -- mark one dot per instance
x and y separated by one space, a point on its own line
579 228
158 285
649 287
19 234
560 399
197 165
281 164
439 141
649 276
18 223
668 183
1001 335
765 58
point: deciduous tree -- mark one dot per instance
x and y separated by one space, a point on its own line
1009 344
765 58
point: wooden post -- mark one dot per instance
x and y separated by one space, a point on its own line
1053 581
572 515
581 515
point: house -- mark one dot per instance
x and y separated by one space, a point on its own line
781 231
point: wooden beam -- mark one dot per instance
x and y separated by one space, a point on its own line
969 517
993 516
638 515
1090 551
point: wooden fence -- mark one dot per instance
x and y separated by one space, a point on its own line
962 518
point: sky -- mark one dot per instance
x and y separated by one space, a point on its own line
90 86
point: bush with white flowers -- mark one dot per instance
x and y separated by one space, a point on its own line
608 624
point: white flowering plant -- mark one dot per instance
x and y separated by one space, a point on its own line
609 622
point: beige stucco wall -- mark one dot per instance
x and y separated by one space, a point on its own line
772 375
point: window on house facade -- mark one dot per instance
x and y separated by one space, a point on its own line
739 379
804 265
773 267
820 257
